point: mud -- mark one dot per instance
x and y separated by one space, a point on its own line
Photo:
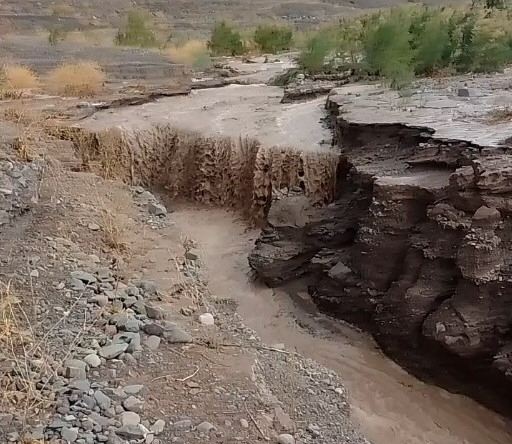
388 404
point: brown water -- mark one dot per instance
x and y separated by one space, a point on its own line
389 405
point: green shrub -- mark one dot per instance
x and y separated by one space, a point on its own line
432 46
56 35
136 32
410 40
388 52
273 38
312 58
225 40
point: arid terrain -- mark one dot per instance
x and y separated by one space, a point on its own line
195 255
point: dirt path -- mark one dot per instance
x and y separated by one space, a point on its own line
390 405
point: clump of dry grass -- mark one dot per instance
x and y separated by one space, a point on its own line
193 53
20 77
80 79
112 231
501 115
15 80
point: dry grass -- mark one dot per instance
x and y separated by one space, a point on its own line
15 81
502 115
113 230
78 79
98 37
18 387
191 53
20 77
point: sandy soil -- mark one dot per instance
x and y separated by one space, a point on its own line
390 405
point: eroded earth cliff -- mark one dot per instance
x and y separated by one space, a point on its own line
415 249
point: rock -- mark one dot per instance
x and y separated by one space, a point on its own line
132 404
139 307
150 438
132 432
130 419
176 335
81 385
104 402
156 209
132 325
244 423
129 301
182 425
113 351
76 284
155 312
150 287
463 92
339 272
132 389
205 427
100 299
34 273
135 343
58 424
94 258
75 369
154 329
86 278
192 255
285 439
284 422
314 429
69 434
158 427
152 342
37 433
92 360
207 319
93 226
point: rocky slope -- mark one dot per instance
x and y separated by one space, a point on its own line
415 249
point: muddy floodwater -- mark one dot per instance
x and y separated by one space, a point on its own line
388 404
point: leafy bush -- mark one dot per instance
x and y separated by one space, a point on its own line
405 41
225 40
312 58
273 38
136 32
388 51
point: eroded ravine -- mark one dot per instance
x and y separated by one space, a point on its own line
390 405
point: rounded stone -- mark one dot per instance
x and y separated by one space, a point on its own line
285 439
93 360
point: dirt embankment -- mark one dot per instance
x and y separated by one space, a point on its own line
416 250
223 171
